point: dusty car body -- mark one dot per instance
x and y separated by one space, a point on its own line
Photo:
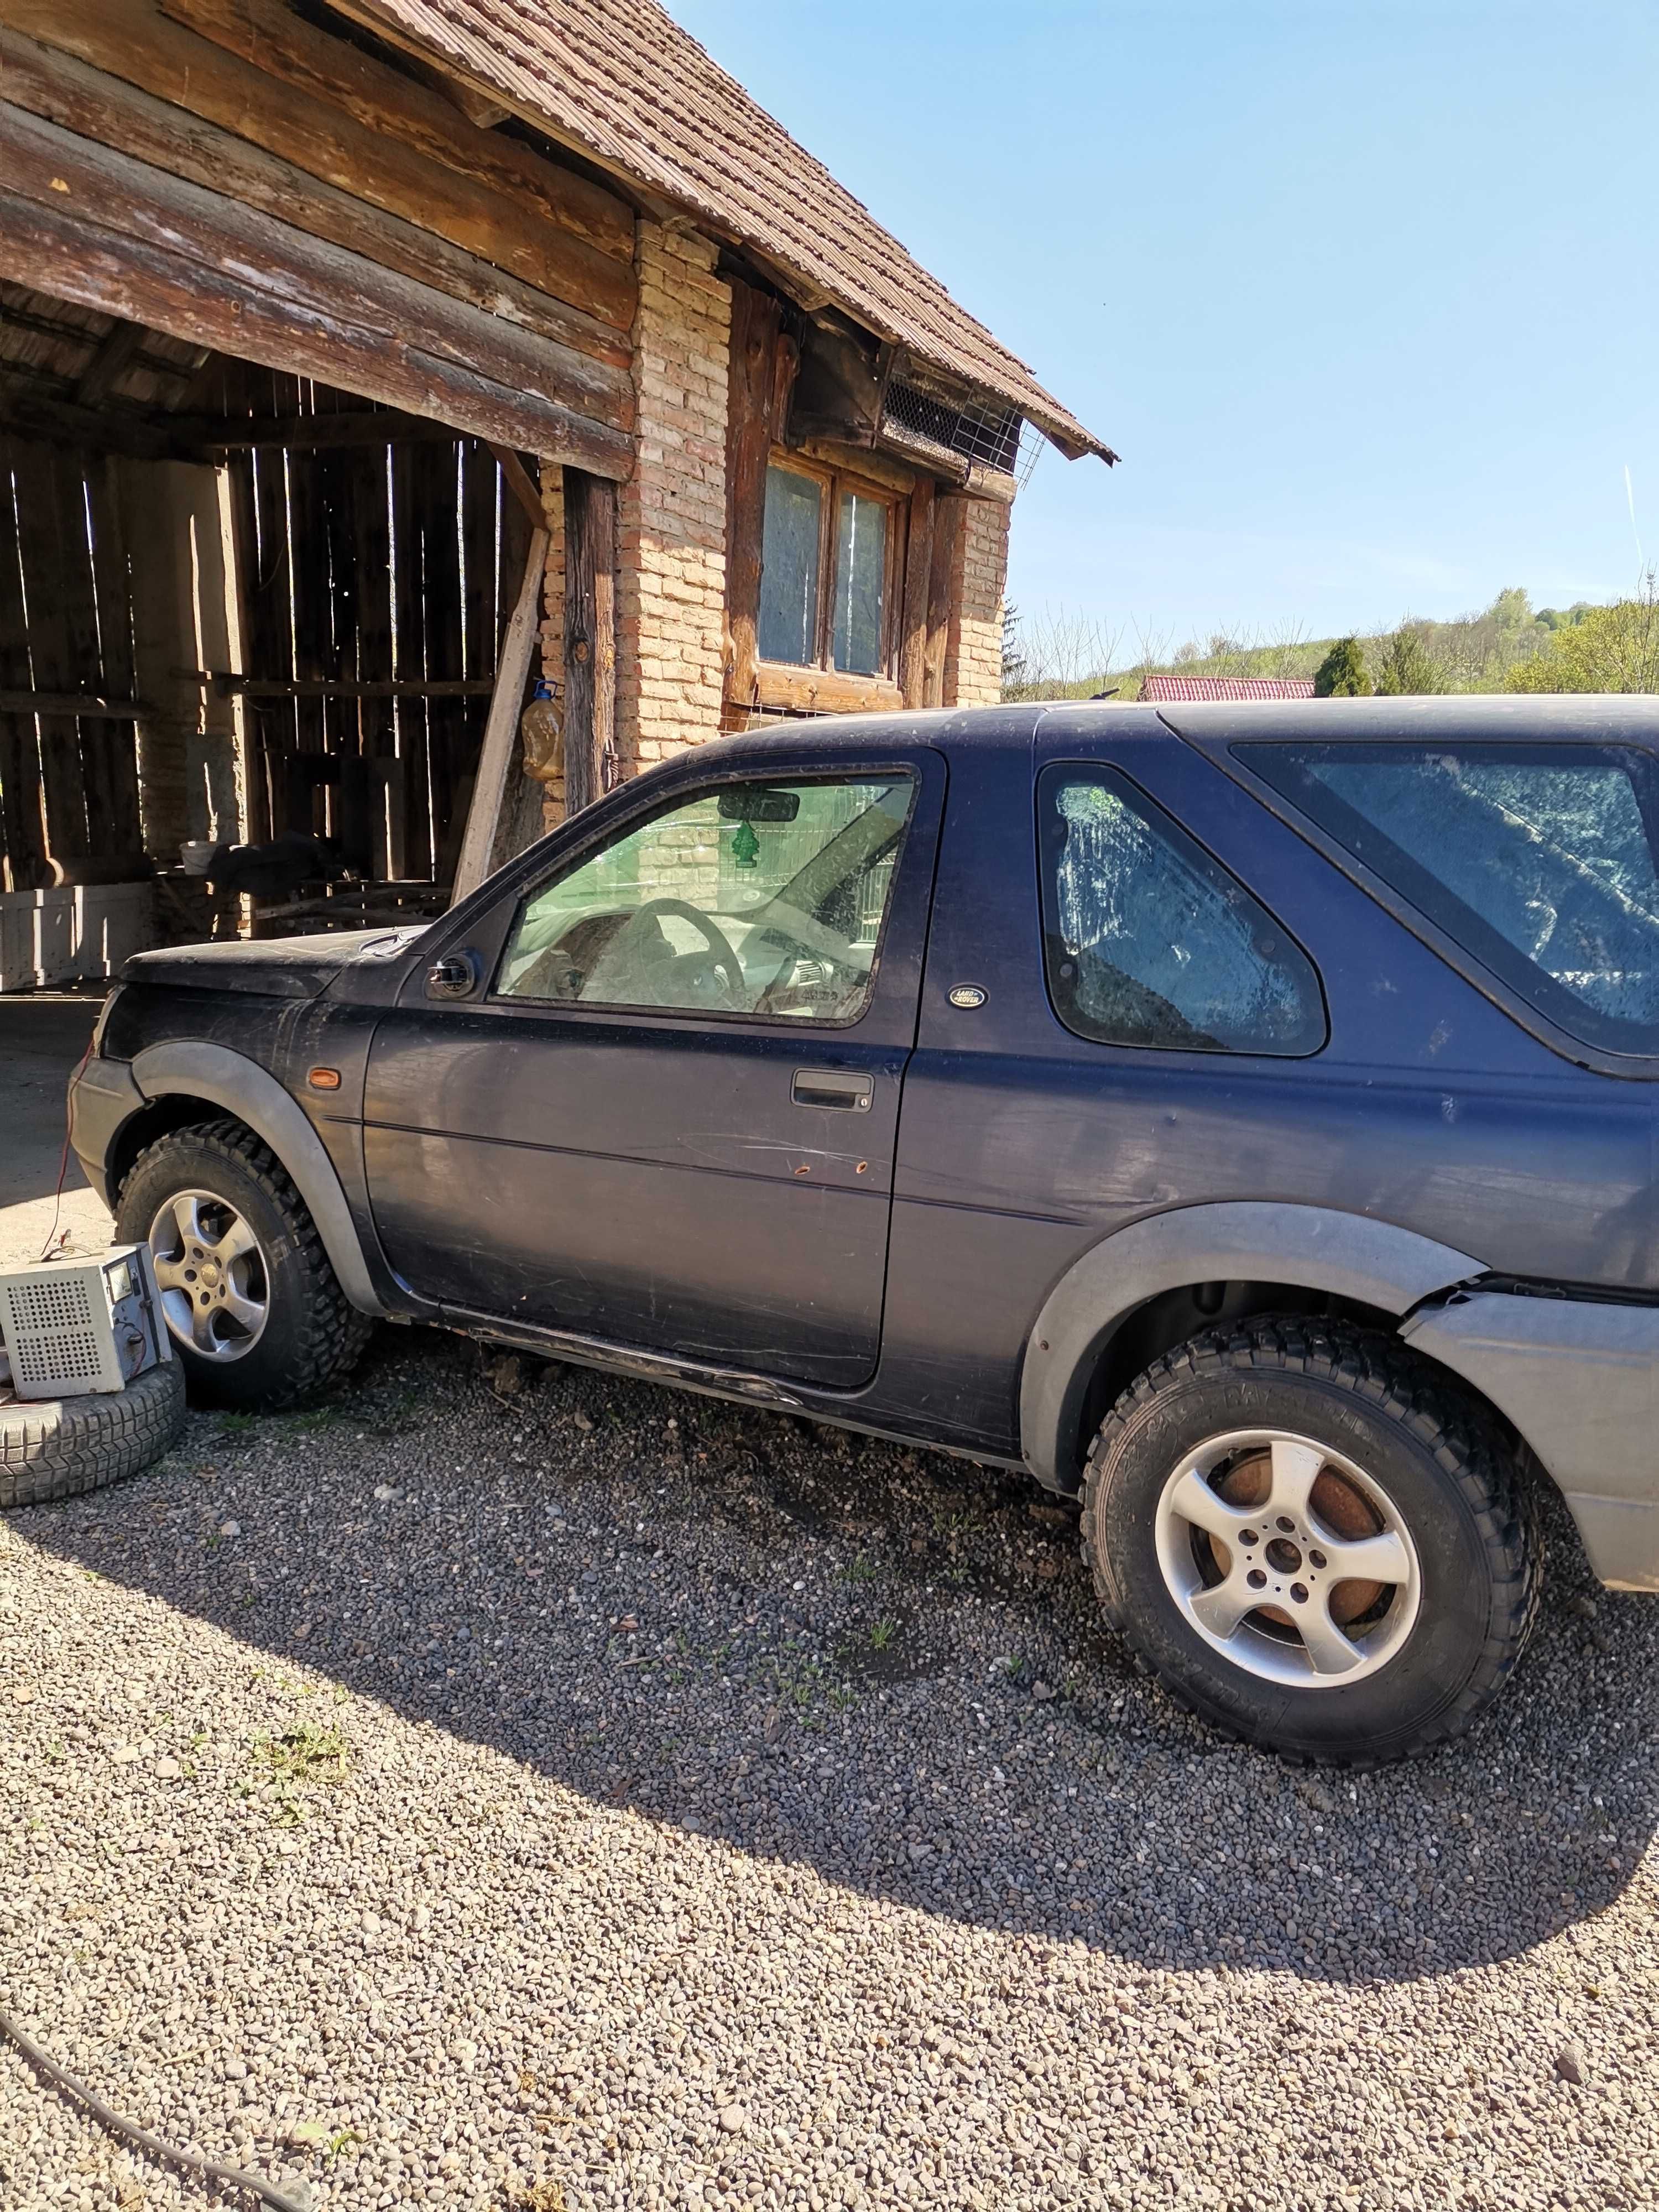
1217 1027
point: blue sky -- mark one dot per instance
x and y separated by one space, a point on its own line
1364 291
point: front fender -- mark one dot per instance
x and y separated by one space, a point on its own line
243 1088
1313 1248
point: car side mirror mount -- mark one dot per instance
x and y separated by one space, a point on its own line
454 976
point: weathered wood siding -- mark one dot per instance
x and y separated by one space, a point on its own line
224 171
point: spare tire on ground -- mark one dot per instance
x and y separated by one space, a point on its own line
54 1448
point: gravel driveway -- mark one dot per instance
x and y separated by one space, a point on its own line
574 1793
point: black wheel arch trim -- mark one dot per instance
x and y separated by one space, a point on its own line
229 1079
1349 1256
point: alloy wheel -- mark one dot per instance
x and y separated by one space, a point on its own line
1288 1558
212 1275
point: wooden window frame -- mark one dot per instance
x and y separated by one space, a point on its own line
818 682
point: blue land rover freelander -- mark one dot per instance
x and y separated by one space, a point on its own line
1241 1118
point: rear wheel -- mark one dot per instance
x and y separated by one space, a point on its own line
1312 1540
256 1312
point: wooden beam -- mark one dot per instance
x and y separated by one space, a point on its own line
115 235
116 352
943 610
825 691
918 568
133 40
231 685
501 736
240 433
522 485
35 408
83 705
757 326
62 90
861 461
590 635
384 100
134 200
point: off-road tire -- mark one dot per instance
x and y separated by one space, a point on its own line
53 1448
313 1335
1443 1457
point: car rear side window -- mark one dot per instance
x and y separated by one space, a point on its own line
1536 859
1148 941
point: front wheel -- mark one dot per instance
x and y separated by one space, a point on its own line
1313 1540
256 1312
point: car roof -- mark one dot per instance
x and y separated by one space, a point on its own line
1597 718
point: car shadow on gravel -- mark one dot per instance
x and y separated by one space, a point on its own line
884 1663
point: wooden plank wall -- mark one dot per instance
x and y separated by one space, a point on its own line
364 564
69 785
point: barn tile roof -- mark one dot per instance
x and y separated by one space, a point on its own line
1188 688
621 81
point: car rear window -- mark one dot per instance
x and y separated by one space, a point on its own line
1147 941
1537 859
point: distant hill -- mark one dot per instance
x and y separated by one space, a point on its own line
1064 658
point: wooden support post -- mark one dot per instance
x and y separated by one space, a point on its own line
757 325
22 827
590 635
943 594
502 729
918 568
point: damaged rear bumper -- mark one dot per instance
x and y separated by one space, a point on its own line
1576 1377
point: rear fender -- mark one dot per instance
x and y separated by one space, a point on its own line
1347 1255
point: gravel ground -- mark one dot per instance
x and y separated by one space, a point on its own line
511 1788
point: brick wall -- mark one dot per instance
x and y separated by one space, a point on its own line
973 666
670 595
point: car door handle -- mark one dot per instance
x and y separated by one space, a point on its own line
832 1086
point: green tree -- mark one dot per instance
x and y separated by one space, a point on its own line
1613 648
1511 609
1406 664
1341 674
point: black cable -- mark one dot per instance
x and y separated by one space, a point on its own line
169 2154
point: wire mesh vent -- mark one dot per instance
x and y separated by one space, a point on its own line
50 1330
986 434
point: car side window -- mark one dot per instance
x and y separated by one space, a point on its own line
1148 941
749 898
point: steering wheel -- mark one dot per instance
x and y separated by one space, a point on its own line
617 953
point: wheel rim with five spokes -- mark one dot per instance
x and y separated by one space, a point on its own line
1288 1558
212 1275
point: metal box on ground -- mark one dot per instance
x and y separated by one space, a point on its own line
74 1325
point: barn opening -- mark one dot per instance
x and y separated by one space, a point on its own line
237 605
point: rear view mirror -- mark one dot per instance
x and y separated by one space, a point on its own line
753 802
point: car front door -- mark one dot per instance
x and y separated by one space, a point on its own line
663 1113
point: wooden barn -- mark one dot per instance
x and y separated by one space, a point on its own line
363 361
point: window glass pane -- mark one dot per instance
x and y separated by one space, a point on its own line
1538 859
789 567
861 583
761 899
1150 942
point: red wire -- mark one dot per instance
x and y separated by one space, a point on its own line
63 1158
